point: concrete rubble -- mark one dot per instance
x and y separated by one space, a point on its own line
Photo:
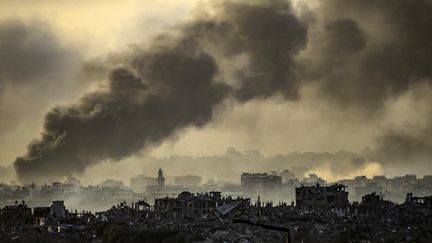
211 217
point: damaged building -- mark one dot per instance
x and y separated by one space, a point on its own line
200 205
321 198
17 215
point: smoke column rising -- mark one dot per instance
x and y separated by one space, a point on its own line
359 54
169 86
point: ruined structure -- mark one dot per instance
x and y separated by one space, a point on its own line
211 217
425 202
41 214
319 198
189 205
17 215
58 209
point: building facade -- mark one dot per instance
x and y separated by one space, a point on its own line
319 198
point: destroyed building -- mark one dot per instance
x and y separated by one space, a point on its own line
211 217
373 204
41 214
58 209
425 202
319 198
393 189
17 215
138 214
189 205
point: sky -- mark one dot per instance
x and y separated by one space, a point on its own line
89 87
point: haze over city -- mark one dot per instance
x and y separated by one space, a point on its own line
316 77
159 98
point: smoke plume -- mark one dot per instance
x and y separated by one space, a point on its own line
34 65
360 55
30 52
168 86
367 53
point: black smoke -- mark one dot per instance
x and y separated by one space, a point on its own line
359 53
35 66
371 50
30 52
268 34
115 123
366 53
169 86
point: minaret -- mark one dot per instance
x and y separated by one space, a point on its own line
160 179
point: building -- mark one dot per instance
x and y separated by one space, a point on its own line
112 184
188 180
360 181
319 198
200 205
267 187
423 201
141 182
58 209
313 180
41 214
260 182
287 176
380 181
349 187
373 204
370 187
17 215
160 179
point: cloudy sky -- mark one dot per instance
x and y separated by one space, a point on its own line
86 86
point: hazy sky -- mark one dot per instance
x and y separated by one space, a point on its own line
118 80
87 29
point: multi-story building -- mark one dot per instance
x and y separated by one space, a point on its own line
141 182
319 198
189 205
260 182
187 180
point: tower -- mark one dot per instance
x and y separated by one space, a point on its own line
160 179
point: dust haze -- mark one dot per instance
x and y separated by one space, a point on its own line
315 77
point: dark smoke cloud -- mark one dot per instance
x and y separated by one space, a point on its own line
411 146
368 51
30 52
359 53
116 123
268 34
397 147
35 65
166 87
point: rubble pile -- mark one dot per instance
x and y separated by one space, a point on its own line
210 217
